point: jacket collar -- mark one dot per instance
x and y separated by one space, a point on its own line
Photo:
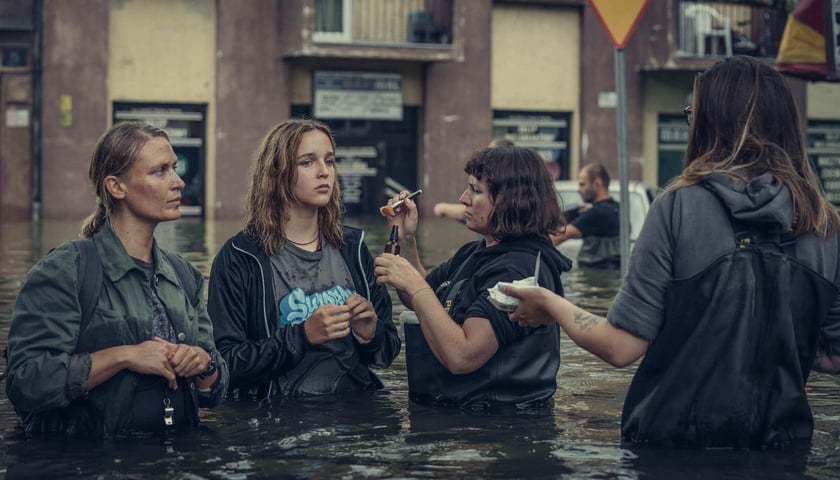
115 260
251 245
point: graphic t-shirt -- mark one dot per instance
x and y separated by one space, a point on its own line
304 281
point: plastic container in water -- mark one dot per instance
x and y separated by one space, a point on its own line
417 354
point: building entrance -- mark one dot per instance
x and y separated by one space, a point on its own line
375 158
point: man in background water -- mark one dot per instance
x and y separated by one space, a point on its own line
597 224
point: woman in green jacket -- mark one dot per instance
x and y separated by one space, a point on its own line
145 359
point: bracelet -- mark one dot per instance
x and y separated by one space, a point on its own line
418 291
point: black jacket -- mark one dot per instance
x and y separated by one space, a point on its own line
524 369
263 357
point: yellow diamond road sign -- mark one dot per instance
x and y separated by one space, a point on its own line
619 17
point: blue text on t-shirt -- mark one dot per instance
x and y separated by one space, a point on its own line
296 307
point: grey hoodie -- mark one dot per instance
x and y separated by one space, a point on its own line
734 325
687 230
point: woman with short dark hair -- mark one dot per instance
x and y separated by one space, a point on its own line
475 356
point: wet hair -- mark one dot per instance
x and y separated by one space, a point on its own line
745 123
596 170
520 186
271 191
115 152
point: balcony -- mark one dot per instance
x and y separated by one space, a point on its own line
414 30
716 29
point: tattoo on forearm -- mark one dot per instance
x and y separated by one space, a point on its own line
586 320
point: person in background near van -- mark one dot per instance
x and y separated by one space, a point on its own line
456 211
732 292
293 297
598 223
149 344
476 357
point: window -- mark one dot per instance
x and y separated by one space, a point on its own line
16 15
824 154
332 20
545 132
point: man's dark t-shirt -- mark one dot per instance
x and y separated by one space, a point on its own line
599 226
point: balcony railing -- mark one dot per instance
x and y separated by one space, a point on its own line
712 29
387 22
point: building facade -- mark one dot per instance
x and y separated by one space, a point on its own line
410 87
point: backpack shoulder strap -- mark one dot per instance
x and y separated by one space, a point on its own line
90 278
184 273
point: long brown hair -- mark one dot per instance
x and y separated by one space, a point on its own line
114 153
745 123
271 190
524 200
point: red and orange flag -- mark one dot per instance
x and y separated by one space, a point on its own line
802 50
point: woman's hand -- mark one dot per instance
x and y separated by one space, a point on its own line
328 322
397 272
187 360
362 317
405 216
532 310
153 357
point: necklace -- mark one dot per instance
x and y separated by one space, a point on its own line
317 236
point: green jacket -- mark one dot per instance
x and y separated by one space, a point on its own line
49 358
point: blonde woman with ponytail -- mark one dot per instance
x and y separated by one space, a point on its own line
145 359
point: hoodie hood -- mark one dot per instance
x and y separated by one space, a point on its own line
556 262
763 200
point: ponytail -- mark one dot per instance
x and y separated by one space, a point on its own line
95 221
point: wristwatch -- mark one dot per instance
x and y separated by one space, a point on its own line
211 369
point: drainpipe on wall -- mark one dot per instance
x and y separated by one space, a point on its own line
35 142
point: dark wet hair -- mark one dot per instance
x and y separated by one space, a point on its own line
524 200
745 123
115 152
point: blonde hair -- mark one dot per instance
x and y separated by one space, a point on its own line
114 154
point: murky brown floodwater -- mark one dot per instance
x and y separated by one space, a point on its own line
386 436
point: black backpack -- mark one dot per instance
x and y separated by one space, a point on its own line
753 317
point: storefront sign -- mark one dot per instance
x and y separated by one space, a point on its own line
824 153
545 132
358 95
17 117
355 174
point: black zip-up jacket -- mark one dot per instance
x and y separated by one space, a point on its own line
265 359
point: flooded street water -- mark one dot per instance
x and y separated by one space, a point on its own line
386 436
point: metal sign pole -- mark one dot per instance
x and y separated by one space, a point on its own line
623 168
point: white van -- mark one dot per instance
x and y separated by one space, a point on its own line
641 196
